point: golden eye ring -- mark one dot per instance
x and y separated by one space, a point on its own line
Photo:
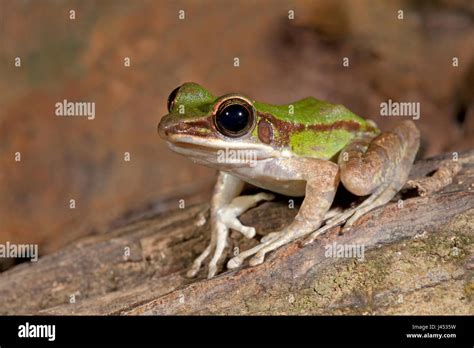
234 117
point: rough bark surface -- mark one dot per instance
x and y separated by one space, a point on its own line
418 260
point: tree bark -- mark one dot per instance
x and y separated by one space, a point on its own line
418 259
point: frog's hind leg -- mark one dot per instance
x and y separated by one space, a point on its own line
378 168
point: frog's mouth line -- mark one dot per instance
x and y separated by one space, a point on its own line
208 148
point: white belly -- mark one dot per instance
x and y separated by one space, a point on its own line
274 176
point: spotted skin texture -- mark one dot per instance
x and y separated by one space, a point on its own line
306 148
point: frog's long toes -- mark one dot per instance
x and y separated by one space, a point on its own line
312 237
248 232
270 236
345 229
265 196
192 272
234 263
198 262
229 214
257 259
212 271
194 269
230 220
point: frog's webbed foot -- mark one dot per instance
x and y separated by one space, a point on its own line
229 214
443 176
226 217
236 261
348 217
440 179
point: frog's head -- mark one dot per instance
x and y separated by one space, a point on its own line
212 130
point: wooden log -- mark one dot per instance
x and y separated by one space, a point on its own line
418 259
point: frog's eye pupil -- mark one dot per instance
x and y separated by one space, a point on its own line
172 98
234 118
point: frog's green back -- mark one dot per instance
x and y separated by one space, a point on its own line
309 111
314 128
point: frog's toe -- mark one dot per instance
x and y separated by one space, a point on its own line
345 229
321 231
332 213
239 259
191 273
350 222
234 262
340 218
270 236
229 214
247 231
257 259
279 239
265 196
212 271
198 262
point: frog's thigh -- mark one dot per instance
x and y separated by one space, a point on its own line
380 167
366 165
322 178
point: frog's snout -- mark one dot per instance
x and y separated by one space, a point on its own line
164 128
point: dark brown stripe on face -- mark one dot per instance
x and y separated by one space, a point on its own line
193 127
285 129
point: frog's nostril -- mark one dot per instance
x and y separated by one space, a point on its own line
162 130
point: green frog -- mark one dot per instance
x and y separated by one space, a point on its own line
306 148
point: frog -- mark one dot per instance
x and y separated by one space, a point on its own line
307 149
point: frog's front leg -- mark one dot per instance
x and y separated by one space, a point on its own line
322 178
225 209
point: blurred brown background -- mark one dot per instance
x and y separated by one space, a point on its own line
281 60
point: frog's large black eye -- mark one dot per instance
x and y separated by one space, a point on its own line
172 98
234 118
